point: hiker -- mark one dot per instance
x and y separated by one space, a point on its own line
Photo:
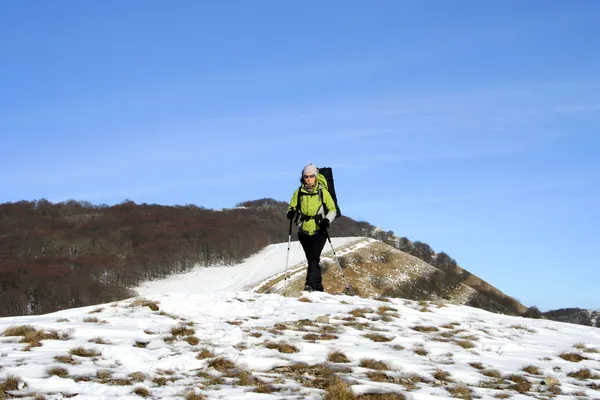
313 221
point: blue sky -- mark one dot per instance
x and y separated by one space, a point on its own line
472 126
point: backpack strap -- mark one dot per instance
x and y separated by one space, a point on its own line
303 217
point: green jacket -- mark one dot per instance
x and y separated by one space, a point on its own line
311 205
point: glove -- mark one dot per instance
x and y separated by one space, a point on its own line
324 224
290 214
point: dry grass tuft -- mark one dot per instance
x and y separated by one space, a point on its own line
383 309
8 383
305 299
532 369
377 337
492 373
521 385
21 330
460 392
572 357
94 320
381 396
192 395
311 337
34 336
583 374
420 350
337 389
360 312
67 359
422 328
204 353
192 340
153 305
477 365
182 330
57 371
96 310
141 391
465 344
337 357
221 364
137 376
373 364
103 374
99 340
282 347
83 352
442 375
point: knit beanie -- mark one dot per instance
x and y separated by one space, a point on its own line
310 170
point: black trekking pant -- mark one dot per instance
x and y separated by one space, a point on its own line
313 245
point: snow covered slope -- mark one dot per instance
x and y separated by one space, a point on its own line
263 265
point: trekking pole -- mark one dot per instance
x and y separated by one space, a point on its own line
338 260
288 255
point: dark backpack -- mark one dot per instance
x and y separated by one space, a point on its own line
326 179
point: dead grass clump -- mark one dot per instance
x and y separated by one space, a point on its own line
311 337
141 391
282 347
245 378
383 309
521 385
305 299
83 352
10 382
192 395
182 330
477 365
137 376
153 305
67 359
377 376
96 310
221 364
442 375
34 336
95 320
451 325
327 336
373 364
460 392
99 340
377 337
420 350
583 373
523 328
492 373
360 312
57 371
103 374
337 357
423 328
204 353
337 389
572 357
21 330
465 344
192 340
532 369
381 396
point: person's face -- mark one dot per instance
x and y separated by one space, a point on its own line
309 179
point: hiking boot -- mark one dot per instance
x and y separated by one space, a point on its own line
308 288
